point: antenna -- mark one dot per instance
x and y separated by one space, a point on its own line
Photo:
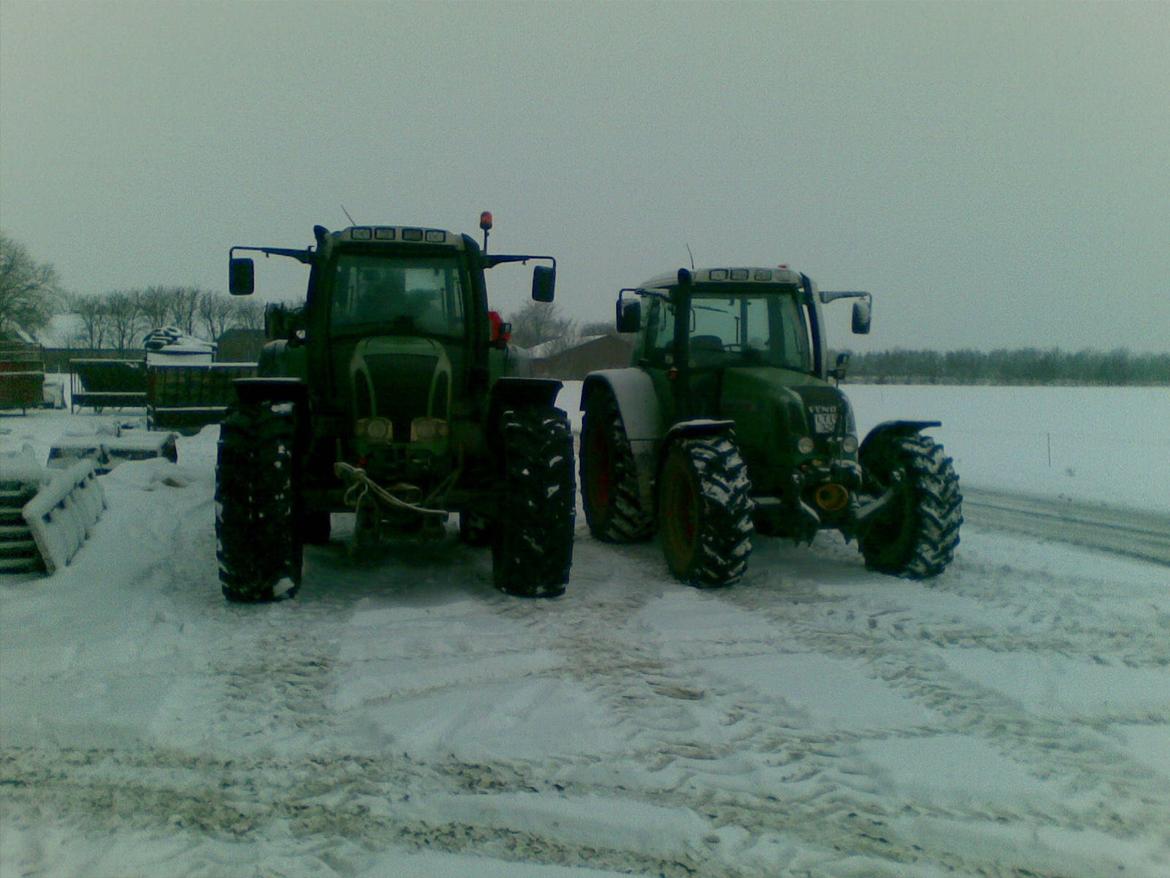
692 255
347 216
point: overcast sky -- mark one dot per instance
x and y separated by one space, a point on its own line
997 175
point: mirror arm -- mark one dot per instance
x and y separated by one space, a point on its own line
303 256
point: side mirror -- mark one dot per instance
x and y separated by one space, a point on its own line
629 315
241 277
861 317
544 283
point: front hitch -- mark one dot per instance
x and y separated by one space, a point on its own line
867 514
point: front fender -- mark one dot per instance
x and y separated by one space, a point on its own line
894 428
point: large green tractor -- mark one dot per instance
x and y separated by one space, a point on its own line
393 394
727 424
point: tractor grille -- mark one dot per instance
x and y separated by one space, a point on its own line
824 408
402 384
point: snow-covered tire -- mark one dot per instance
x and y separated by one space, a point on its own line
532 545
705 511
256 527
916 538
609 476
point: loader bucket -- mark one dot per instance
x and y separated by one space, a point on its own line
45 519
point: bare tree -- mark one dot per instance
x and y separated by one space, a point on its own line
125 323
29 290
92 312
184 308
215 313
155 305
247 314
541 324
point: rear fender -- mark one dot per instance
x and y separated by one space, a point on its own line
637 403
894 429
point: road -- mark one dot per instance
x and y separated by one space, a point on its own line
1135 534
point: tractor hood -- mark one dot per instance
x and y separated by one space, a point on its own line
802 404
403 379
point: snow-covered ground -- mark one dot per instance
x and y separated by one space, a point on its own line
400 717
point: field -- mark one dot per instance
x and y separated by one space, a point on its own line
400 717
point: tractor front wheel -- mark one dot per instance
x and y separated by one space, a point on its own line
705 511
532 540
917 536
256 528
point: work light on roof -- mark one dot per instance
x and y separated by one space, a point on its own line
718 274
384 234
436 237
763 274
412 234
361 234
739 274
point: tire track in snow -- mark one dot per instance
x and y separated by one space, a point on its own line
1128 801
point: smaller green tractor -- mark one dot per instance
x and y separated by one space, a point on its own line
729 423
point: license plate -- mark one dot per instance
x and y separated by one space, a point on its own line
824 422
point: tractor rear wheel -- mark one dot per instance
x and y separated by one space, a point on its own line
609 476
256 528
705 511
916 539
532 544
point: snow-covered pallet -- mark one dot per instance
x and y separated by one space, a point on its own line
108 451
62 514
45 519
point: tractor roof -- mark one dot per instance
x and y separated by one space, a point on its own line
399 235
780 275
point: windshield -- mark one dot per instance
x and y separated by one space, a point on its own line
753 329
414 295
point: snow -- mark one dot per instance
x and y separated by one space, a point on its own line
400 717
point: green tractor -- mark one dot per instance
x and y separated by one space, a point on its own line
393 394
727 424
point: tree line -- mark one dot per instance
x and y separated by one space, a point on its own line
1010 366
120 318
31 294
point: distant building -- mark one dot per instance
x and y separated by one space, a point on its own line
240 346
599 352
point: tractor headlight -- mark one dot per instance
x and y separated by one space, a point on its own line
375 429
428 429
849 444
805 445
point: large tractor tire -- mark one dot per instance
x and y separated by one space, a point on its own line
532 545
256 517
705 511
609 477
316 528
916 538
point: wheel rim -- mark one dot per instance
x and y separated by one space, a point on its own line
680 517
600 469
